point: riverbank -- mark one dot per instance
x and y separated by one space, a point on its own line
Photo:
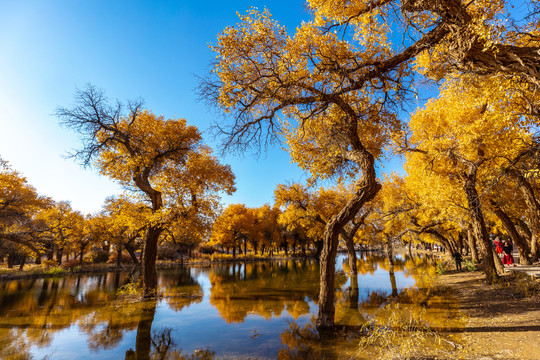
33 271
501 321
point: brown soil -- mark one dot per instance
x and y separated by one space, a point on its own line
502 321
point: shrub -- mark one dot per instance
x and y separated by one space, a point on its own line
401 333
207 249
441 267
132 288
55 271
97 256
470 265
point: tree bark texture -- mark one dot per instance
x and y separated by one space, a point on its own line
533 209
472 245
349 241
368 187
479 226
149 261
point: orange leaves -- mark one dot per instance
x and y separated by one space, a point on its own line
149 142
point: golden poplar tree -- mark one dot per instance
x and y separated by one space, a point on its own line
144 152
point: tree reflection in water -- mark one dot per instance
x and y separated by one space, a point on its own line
34 312
413 317
159 344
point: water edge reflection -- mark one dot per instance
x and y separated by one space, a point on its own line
258 310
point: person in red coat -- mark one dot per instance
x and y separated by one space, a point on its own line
508 259
498 246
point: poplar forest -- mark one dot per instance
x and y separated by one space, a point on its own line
351 262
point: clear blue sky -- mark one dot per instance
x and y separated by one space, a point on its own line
131 49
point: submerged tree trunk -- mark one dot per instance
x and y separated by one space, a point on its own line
348 236
149 254
478 224
367 187
149 261
351 253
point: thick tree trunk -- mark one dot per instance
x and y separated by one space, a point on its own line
149 261
479 226
149 255
472 245
498 262
522 246
533 209
367 189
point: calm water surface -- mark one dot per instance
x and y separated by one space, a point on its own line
262 310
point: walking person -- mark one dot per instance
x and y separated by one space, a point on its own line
508 259
458 259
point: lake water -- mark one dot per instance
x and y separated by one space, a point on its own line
263 310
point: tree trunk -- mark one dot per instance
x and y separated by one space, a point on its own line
351 252
522 246
22 261
149 261
367 187
479 226
82 254
131 252
393 281
119 255
498 262
149 254
143 340
533 209
389 250
59 255
354 292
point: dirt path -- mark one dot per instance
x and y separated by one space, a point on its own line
502 321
